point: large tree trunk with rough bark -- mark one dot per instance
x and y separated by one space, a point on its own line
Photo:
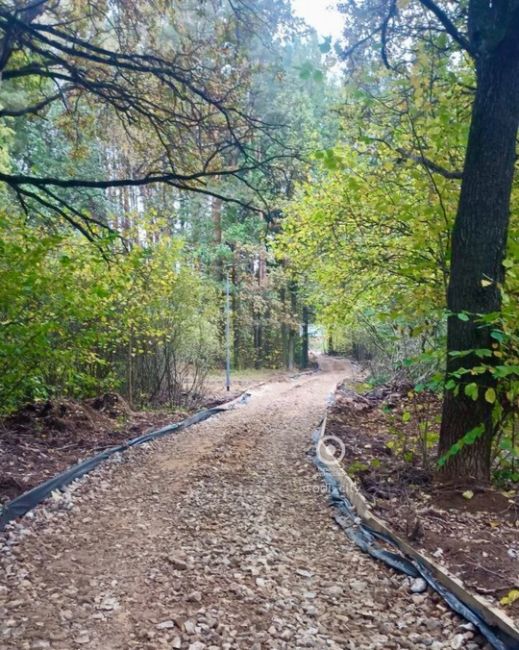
479 241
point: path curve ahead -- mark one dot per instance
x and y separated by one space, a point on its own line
218 537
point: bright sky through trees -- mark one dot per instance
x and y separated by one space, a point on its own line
321 14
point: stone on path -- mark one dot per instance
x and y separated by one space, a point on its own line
219 536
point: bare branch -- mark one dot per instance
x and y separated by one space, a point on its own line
383 33
199 121
36 108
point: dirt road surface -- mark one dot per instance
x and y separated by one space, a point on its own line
218 537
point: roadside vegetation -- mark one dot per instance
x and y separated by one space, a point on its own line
362 191
407 231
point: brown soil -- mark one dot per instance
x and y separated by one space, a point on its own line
474 535
45 438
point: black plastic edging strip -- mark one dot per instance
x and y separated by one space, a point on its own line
454 602
30 499
493 635
364 537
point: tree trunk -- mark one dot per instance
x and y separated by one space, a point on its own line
284 327
235 307
478 248
216 217
130 370
305 346
292 287
258 341
218 269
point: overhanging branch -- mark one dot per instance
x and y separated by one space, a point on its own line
449 26
430 164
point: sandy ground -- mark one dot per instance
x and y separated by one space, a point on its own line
219 537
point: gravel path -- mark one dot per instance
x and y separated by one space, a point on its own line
219 537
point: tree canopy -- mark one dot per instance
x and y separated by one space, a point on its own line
150 151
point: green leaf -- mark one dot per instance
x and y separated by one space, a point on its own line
471 436
490 395
498 335
468 439
471 390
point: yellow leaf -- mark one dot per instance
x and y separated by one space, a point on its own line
490 395
468 494
510 598
486 283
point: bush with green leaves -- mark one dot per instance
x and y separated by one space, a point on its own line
75 323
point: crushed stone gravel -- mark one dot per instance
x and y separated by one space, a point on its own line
217 538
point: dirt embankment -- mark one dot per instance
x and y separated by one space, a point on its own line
390 437
45 438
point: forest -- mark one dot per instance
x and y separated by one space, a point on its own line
148 155
151 151
196 187
145 158
366 185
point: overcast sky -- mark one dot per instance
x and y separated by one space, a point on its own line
327 21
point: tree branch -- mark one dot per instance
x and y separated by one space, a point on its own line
429 164
150 179
6 112
422 160
449 26
383 33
